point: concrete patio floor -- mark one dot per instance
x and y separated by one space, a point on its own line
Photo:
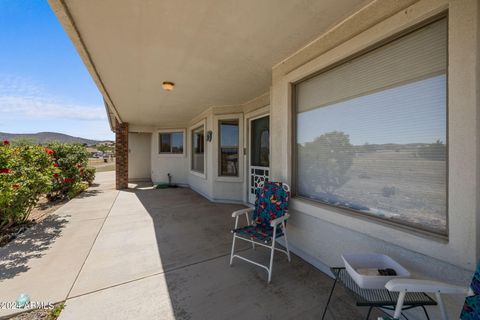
157 254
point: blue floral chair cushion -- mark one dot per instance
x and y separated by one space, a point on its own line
471 308
258 233
475 285
271 203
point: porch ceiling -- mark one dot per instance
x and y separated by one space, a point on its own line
218 52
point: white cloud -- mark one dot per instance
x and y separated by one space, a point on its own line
19 96
38 107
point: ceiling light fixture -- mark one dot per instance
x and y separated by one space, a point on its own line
168 86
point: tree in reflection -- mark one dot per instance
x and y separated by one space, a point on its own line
326 161
434 151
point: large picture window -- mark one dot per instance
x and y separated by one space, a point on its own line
371 133
170 142
228 147
198 149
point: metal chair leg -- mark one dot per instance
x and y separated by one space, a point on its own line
399 306
368 314
233 249
271 254
271 261
330 295
426 313
286 241
441 305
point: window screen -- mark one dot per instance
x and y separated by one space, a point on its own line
260 142
371 134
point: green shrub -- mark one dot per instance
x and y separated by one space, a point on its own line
76 189
25 174
71 161
88 175
55 312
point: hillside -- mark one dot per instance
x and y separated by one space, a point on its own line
46 137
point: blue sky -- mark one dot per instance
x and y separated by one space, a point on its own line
412 113
44 85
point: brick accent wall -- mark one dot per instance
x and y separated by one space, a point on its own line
121 155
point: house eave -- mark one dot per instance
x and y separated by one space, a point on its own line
61 11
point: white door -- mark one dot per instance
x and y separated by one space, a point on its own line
139 156
259 154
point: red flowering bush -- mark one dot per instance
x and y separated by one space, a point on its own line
28 171
25 174
70 160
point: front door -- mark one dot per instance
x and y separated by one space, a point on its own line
259 154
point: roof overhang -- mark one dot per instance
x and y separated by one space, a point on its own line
218 53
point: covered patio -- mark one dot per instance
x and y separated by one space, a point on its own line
163 254
367 109
159 254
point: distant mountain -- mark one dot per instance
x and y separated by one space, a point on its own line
47 137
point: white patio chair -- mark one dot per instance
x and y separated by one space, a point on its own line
471 308
268 222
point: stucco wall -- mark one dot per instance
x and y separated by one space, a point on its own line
209 184
320 233
163 164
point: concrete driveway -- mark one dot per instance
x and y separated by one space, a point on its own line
156 254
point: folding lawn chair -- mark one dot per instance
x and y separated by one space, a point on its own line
471 308
268 222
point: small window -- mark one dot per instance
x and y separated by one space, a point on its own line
198 149
170 142
371 134
228 148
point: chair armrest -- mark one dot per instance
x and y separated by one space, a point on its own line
416 285
277 221
242 211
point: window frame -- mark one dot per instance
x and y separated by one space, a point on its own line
403 225
216 148
198 125
219 148
171 154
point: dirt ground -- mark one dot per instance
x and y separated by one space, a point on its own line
41 211
101 166
40 314
44 208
